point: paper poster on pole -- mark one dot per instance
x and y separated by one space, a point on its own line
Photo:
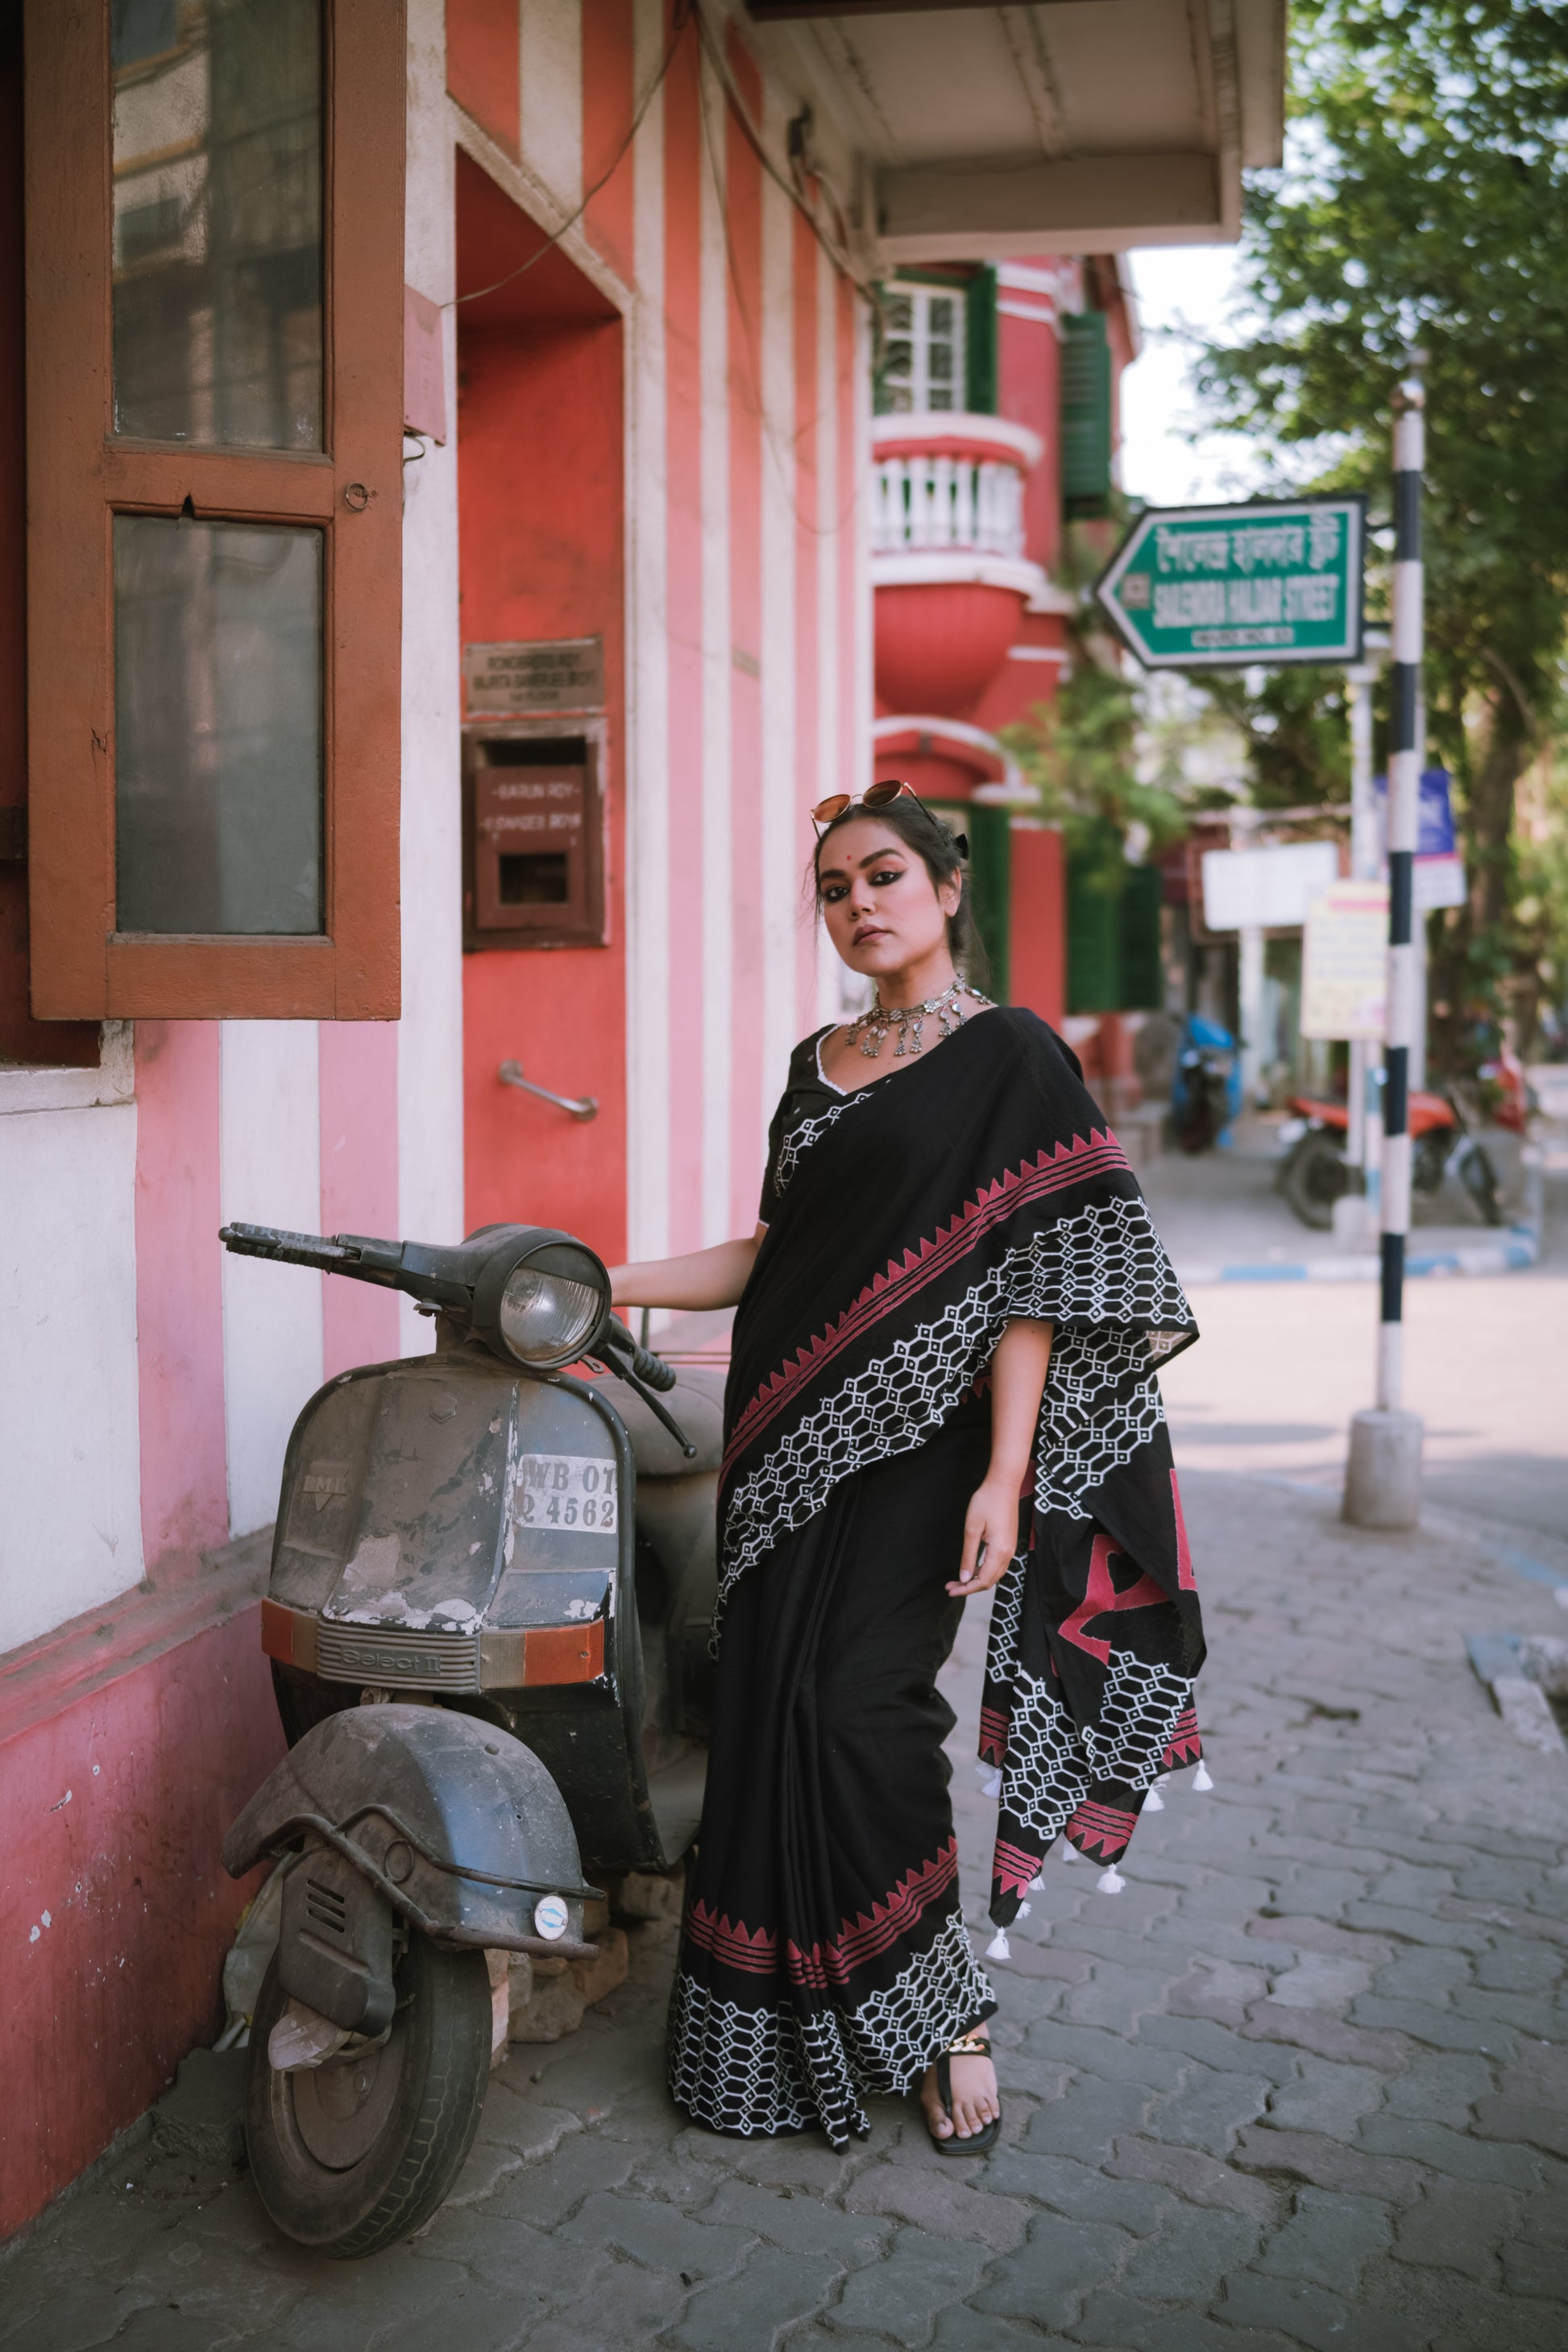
1344 963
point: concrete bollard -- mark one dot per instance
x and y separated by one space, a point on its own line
1382 1475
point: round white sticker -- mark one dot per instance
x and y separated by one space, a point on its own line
550 1916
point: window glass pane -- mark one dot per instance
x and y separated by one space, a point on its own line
217 714
217 221
922 360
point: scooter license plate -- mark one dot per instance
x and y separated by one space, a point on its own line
571 1493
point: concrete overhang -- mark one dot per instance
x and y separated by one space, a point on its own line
975 132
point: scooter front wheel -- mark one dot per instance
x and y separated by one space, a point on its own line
1315 1175
350 2157
1479 1179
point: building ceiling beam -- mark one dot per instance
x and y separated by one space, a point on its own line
982 211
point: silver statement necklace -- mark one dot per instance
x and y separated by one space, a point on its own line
873 1028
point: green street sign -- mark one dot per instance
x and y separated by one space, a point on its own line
1224 587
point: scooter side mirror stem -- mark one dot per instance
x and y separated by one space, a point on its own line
624 1372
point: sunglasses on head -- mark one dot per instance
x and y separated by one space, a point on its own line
875 797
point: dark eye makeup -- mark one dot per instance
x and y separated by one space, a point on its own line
882 877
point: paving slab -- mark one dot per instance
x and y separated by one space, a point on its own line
1302 2085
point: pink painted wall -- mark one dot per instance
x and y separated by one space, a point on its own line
1037 956
812 429
685 164
179 1298
743 213
115 1912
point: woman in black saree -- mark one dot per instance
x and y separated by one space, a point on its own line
943 1378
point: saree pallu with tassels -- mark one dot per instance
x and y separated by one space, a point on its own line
824 1955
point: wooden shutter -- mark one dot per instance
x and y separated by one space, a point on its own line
1085 415
980 331
82 475
1143 978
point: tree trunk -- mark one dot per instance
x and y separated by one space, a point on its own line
1508 746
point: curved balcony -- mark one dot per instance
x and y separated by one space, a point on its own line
948 501
947 554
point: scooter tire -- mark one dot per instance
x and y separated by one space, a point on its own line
1315 1176
415 2131
1479 1179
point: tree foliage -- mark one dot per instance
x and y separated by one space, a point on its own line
1424 201
1080 751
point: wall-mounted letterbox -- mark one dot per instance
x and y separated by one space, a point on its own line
533 862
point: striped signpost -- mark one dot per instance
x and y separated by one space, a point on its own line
1382 1477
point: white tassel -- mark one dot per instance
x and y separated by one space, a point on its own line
1201 1780
999 1948
1069 1851
1153 1803
1037 1884
1023 1910
989 1779
1110 1882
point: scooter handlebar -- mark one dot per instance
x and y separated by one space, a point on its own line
651 1369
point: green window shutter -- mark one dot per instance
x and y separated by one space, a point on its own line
1085 415
1094 936
980 317
990 835
1142 980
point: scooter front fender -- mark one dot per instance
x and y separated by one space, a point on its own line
457 1825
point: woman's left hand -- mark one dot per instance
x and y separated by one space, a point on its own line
990 1536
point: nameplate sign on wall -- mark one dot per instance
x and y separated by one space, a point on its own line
515 681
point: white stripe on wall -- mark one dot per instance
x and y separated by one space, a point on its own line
549 63
430 1034
718 875
780 829
829 650
71 1531
270 1174
647 682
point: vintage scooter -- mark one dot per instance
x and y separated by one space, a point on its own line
488 1620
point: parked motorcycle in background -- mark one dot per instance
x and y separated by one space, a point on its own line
487 1619
1314 1172
1206 1093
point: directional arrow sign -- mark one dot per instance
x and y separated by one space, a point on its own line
1223 587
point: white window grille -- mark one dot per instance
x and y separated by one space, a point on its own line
922 351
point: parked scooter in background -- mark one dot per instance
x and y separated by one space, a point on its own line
1313 1172
487 1617
1206 1094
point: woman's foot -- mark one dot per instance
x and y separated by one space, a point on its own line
975 2102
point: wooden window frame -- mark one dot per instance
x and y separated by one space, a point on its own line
80 475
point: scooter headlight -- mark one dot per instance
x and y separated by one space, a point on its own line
541 1297
548 1317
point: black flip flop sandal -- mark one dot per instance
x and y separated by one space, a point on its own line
968 2045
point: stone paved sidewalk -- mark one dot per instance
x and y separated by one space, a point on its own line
1304 2083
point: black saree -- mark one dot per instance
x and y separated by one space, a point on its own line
824 1953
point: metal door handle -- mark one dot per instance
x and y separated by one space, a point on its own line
510 1074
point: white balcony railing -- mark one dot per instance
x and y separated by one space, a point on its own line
940 501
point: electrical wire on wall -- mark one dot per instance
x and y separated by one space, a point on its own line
835 249
685 10
797 182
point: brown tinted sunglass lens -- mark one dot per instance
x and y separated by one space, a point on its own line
834 805
879 795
